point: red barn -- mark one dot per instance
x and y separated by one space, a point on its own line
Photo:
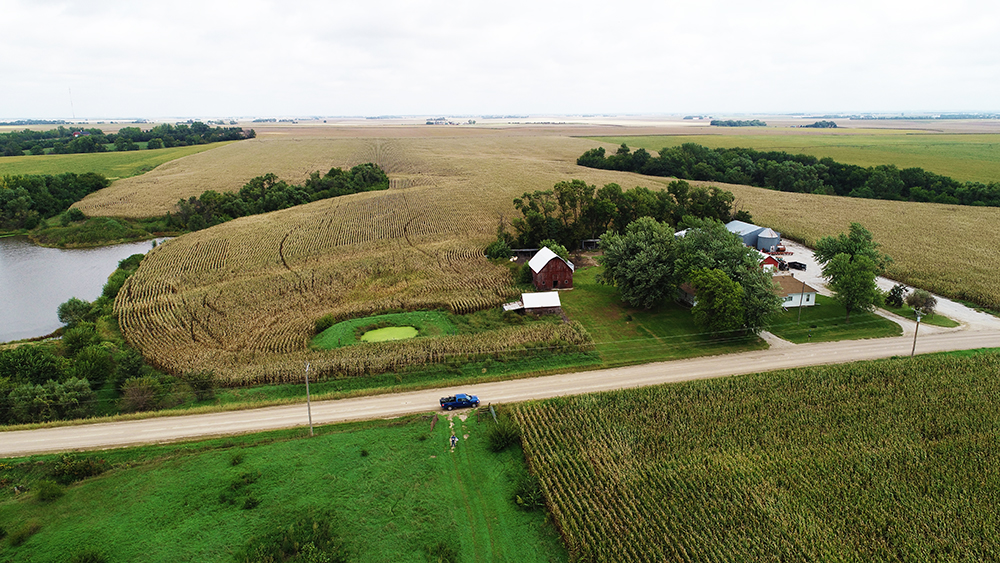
549 271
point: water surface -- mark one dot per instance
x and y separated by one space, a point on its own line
34 280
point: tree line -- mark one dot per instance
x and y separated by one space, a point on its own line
267 193
73 140
574 210
26 200
737 123
779 170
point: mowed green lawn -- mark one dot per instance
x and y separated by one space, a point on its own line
624 335
962 157
827 322
113 165
396 490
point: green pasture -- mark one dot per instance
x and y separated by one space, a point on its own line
826 322
974 157
390 490
113 165
346 333
933 319
624 335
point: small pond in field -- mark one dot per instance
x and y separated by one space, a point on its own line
389 333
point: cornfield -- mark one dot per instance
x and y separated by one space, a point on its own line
246 293
876 461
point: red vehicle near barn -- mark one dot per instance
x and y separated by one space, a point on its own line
549 271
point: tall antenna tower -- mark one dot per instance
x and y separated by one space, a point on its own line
71 108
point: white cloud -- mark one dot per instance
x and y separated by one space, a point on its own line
369 58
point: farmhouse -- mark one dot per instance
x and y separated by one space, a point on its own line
761 238
549 271
794 293
547 303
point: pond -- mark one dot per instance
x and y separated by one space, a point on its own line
35 280
389 333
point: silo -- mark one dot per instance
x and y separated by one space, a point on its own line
768 240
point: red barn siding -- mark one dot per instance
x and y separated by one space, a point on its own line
554 275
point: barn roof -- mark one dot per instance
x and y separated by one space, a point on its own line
543 257
791 286
742 228
539 300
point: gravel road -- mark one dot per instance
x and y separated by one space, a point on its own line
166 429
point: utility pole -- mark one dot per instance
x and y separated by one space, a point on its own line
913 351
802 295
308 401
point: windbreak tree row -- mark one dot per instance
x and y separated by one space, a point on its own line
267 193
779 170
73 140
26 200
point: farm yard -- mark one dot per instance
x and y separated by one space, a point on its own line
874 461
241 298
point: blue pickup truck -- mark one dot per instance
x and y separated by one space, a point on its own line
460 400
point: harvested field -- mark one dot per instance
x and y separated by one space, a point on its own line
242 297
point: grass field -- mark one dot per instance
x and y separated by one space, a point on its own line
825 322
963 157
891 460
394 491
113 165
623 335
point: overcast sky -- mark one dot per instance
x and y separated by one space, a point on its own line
207 58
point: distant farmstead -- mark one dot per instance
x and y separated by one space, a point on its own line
549 271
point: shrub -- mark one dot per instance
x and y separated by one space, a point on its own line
498 250
29 364
324 323
22 534
78 338
74 311
93 363
524 276
501 435
895 296
69 468
308 537
528 493
442 552
202 382
52 401
48 491
88 556
140 394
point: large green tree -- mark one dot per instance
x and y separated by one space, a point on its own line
719 307
707 244
852 262
640 262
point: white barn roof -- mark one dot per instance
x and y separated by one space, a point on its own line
539 300
543 257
